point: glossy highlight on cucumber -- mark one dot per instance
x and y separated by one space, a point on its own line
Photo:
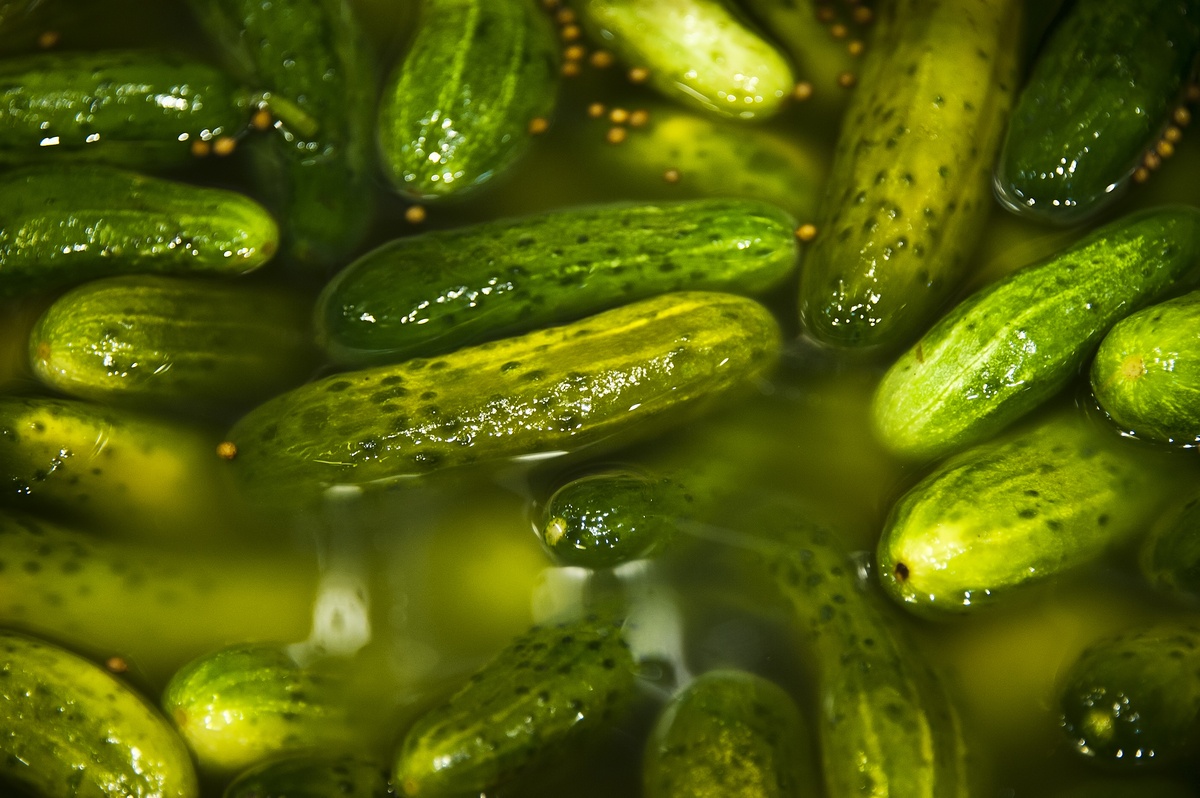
308 776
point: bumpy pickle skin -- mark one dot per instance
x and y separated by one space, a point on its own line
424 295
733 734
1015 343
1006 515
1170 554
551 687
307 776
1102 91
910 185
457 110
68 727
1133 701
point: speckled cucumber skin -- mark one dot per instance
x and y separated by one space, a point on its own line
67 224
139 108
434 293
67 727
309 777
1146 374
1102 89
631 370
550 687
1010 346
910 186
1005 515
697 53
1170 553
456 111
1133 701
161 341
729 733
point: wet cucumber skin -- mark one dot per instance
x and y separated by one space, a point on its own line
433 293
910 185
64 225
624 371
1015 343
67 727
549 687
456 111
1101 91
1170 554
309 777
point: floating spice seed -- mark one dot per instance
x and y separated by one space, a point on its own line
565 16
803 90
1182 116
225 145
639 74
116 664
48 39
615 135
602 59
1152 160
1141 174
1165 148
226 450
1193 93
825 14
574 53
862 15
806 232
550 4
671 175
846 80
618 116
639 117
201 149
839 31
415 214
570 69
596 110
856 47
536 125
1173 134
262 119
570 33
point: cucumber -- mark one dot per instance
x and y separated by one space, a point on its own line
1101 92
631 371
433 293
65 225
1146 374
607 519
241 705
1134 701
1012 345
910 185
162 341
551 687
306 777
729 733
68 727
457 110
697 52
1006 515
1170 553
123 107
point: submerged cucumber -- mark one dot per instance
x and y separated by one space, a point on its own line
433 293
910 186
309 777
1015 343
457 110
729 733
1101 93
631 370
67 727
552 686
1170 554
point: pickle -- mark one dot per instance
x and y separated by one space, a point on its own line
1170 554
313 777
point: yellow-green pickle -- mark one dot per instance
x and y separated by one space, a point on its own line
599 398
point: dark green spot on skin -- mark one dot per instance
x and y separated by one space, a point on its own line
338 386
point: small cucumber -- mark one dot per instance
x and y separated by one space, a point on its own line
1146 374
433 293
1170 554
155 341
130 108
552 686
1009 514
729 733
910 186
1101 92
697 52
458 109
68 727
308 777
242 705
1017 342
631 370
64 225
1134 701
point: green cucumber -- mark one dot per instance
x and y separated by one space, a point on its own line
1146 374
910 186
1134 701
631 371
457 110
1170 554
65 225
306 777
1006 515
1102 90
124 107
68 727
244 704
433 293
554 686
729 733
1017 342
156 341
697 52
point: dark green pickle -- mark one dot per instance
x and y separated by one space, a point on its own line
1170 555
311 776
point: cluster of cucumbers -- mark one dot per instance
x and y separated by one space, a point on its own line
575 332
